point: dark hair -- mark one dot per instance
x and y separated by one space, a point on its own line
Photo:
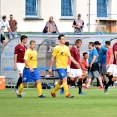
32 41
4 17
91 43
59 37
67 43
78 40
84 53
23 37
11 15
108 43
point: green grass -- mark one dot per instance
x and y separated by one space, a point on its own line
94 104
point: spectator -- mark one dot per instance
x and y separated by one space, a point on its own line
13 26
51 26
78 25
3 24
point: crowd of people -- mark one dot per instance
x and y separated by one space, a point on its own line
100 63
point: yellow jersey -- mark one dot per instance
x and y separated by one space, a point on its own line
61 53
31 57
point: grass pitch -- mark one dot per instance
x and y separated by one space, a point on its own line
93 104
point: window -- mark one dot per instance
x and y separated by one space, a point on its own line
102 8
67 8
32 8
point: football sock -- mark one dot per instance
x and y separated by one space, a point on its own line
39 88
20 88
19 82
80 85
104 83
56 88
65 87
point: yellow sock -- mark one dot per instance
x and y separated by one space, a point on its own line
65 86
39 88
56 88
21 88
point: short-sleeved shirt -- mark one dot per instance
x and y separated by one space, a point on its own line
52 26
108 56
4 24
13 24
102 55
114 49
93 53
84 63
31 57
80 23
61 53
75 53
20 51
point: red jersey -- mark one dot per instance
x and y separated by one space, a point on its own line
84 63
75 53
108 55
114 49
20 51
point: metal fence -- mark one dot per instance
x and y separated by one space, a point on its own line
45 45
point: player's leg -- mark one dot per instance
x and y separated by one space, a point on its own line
104 72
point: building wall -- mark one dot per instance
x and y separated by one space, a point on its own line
53 8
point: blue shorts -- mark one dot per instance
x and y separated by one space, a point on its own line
29 76
62 73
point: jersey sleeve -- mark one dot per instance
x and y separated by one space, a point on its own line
82 22
74 23
69 54
26 55
16 50
54 53
105 49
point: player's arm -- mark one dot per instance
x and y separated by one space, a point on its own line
93 60
111 58
51 63
115 54
74 25
82 66
15 61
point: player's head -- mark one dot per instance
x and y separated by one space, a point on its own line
61 39
91 45
4 18
78 43
11 17
97 44
32 44
79 16
85 55
107 43
67 43
24 39
51 18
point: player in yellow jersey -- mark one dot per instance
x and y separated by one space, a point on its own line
62 54
30 72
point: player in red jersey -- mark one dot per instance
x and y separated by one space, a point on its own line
19 59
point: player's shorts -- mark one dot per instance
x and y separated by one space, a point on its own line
68 68
62 73
93 74
75 73
103 69
20 67
109 69
29 76
114 70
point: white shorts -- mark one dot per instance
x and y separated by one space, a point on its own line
109 69
68 68
75 73
20 67
114 70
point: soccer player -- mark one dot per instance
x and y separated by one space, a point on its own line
19 59
109 64
75 72
93 71
102 59
62 54
30 72
84 66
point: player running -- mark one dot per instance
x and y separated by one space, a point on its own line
19 59
62 54
30 72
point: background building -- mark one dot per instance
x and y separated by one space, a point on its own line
98 15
